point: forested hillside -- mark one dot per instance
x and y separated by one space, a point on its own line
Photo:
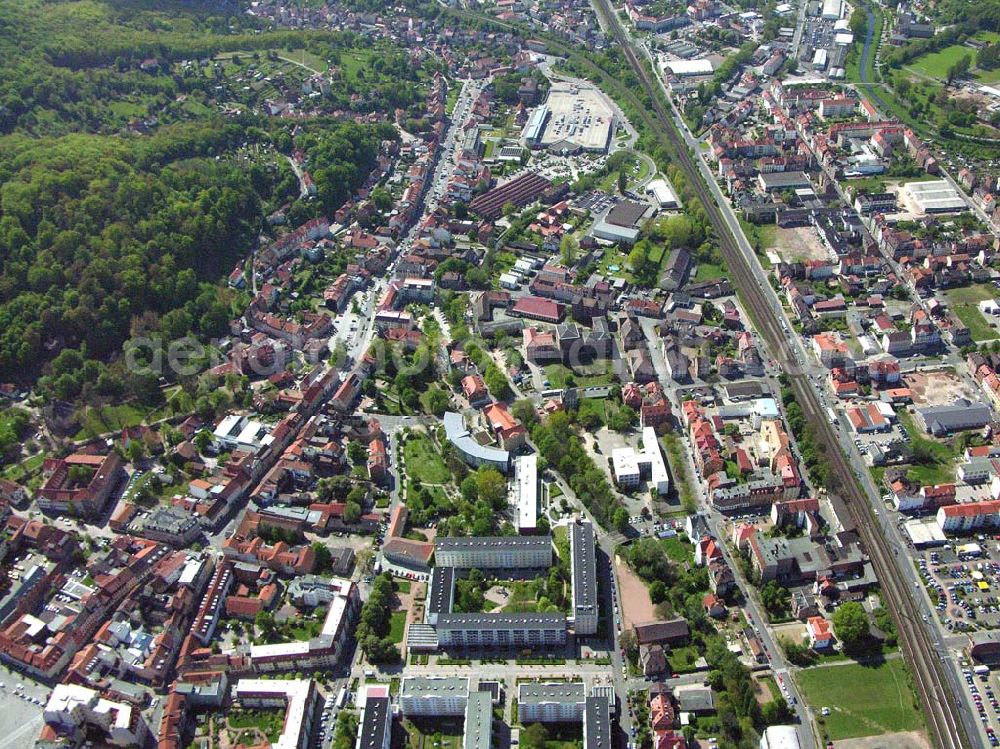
109 231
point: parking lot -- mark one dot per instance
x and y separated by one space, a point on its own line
980 687
966 585
21 705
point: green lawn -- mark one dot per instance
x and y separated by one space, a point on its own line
979 329
708 272
97 421
936 64
979 292
682 660
943 452
18 471
677 550
863 700
963 303
558 376
424 462
397 626
269 722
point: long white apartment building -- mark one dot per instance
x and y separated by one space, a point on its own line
494 552
433 696
583 566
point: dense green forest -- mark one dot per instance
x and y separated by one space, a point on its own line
107 234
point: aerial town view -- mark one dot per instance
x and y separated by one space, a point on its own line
499 374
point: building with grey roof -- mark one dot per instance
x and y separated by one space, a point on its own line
597 724
494 552
501 631
171 525
440 594
478 721
555 702
471 451
583 565
961 415
433 696
375 726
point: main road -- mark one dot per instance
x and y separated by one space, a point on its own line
928 673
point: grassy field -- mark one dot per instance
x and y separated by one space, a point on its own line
963 303
397 626
682 660
936 64
979 328
942 469
707 272
558 376
863 700
97 421
423 462
305 57
979 292
16 471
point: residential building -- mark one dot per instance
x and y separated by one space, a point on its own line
501 631
375 726
583 563
434 696
494 552
556 702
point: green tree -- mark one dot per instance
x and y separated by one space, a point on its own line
534 736
620 520
323 556
775 598
357 452
352 512
568 247
491 486
850 624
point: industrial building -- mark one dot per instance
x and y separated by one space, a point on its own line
935 196
686 68
583 563
663 194
494 552
535 127
625 235
833 10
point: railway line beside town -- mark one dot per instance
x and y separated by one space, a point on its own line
927 670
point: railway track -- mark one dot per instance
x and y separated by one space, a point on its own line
947 730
